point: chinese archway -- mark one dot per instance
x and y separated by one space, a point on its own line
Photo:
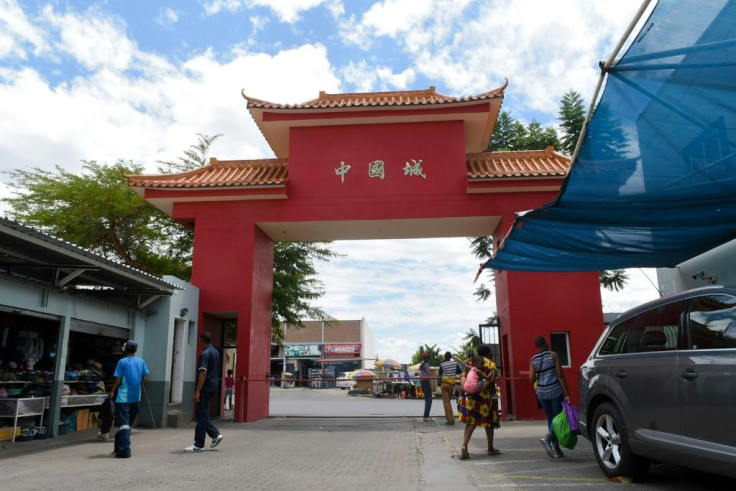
404 164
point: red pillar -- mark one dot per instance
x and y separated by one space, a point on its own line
237 282
531 304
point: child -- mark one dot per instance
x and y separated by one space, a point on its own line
229 384
475 378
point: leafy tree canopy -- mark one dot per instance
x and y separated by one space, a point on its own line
511 134
571 117
96 209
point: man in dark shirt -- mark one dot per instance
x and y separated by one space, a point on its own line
208 378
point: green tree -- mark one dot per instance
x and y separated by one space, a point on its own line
571 117
194 157
96 209
614 279
502 138
539 138
511 134
435 357
296 285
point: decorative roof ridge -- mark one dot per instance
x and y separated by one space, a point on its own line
549 151
387 98
201 170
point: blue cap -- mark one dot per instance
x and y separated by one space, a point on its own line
130 345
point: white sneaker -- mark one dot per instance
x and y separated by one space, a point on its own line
103 436
216 441
193 448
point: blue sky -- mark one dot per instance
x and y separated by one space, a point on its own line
138 79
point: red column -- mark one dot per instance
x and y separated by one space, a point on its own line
531 304
233 268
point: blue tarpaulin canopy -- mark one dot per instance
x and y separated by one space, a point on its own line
654 179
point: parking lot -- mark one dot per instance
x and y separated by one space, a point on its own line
324 439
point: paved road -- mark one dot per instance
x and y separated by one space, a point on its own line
369 449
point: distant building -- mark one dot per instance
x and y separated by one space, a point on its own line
321 351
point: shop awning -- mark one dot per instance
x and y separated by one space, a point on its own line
31 256
654 180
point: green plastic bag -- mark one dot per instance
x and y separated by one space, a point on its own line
567 438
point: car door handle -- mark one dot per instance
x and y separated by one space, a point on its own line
689 374
621 374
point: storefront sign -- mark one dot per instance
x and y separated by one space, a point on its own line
302 350
341 349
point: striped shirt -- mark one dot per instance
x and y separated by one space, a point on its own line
549 385
448 370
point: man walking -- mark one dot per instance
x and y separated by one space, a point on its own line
425 377
129 374
448 369
208 379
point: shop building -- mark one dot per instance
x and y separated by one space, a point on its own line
316 353
64 315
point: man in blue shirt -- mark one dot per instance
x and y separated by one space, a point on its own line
130 373
208 380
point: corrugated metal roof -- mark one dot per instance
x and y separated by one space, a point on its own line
29 255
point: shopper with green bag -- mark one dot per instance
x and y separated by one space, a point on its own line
562 431
551 387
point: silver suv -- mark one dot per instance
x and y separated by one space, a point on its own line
660 386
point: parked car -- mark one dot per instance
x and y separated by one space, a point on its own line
344 382
660 386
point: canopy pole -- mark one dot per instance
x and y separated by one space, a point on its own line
604 68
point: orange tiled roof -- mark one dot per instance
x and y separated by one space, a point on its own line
530 163
228 173
372 99
274 172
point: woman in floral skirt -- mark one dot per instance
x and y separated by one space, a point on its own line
475 409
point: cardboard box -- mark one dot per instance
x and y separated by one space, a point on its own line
82 419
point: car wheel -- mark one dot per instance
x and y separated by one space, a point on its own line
611 445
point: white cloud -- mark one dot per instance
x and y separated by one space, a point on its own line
287 11
17 32
543 47
411 292
167 17
151 113
216 6
92 39
367 78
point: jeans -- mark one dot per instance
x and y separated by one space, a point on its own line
204 423
125 413
427 389
552 407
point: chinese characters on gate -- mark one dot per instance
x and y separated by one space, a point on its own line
376 169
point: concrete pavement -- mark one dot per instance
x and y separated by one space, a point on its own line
316 450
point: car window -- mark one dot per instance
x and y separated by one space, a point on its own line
656 329
712 321
614 342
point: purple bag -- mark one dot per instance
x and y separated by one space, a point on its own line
572 416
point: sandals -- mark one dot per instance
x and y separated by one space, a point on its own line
494 451
464 453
